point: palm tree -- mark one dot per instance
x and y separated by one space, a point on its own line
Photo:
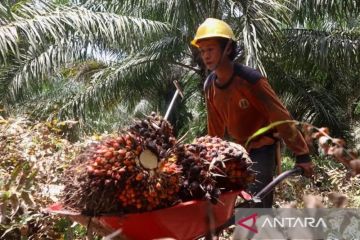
107 56
143 65
40 41
317 60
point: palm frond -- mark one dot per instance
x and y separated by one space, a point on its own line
182 13
123 82
172 11
318 105
340 48
4 15
260 24
146 75
309 10
35 67
6 74
44 100
55 22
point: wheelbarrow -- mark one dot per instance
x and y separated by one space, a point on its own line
187 220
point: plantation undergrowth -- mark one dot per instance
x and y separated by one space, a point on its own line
34 156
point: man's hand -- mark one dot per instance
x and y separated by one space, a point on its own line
307 167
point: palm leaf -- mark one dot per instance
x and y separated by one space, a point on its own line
319 106
323 47
109 87
36 67
336 9
267 128
259 27
54 23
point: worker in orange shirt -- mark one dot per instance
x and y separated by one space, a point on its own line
240 101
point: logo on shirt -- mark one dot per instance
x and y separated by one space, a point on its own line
244 103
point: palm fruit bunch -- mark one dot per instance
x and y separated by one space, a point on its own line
157 179
93 177
144 168
229 162
199 182
131 172
211 166
99 174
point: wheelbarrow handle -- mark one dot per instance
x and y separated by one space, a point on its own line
260 195
268 188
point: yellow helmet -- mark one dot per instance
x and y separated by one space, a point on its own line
213 27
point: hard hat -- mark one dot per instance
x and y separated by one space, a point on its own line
213 27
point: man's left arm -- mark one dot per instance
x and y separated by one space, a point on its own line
269 103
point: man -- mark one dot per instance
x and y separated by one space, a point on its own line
240 101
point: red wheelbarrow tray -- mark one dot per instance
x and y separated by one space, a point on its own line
187 220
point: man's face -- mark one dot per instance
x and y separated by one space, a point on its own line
210 51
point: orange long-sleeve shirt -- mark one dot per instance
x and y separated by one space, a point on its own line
247 104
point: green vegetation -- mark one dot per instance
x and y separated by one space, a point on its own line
94 65
107 57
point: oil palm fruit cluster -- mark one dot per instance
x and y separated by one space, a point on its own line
210 166
229 163
145 168
132 172
157 179
198 182
149 190
99 174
